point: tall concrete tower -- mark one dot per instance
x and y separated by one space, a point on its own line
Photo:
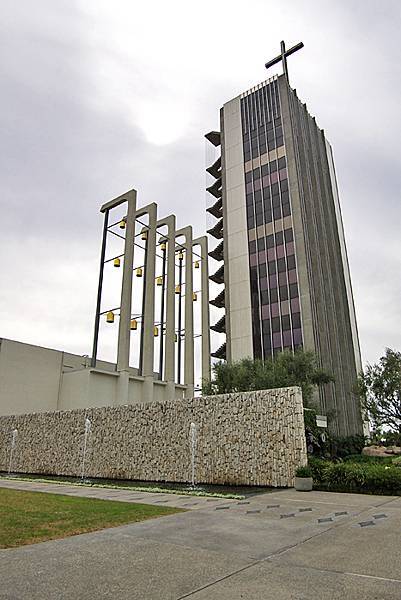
283 263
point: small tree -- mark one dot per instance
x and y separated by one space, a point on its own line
286 369
380 391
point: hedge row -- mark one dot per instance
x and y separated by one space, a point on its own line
370 478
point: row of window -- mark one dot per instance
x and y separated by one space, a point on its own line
283 323
284 340
272 240
254 151
271 167
260 107
273 189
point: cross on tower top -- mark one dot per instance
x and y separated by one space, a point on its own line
283 57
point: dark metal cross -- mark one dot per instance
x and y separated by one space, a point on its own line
283 57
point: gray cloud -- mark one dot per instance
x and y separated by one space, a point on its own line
85 90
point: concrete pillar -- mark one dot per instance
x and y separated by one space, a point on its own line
123 347
205 315
169 348
148 318
189 313
126 286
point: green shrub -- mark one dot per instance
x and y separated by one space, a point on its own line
344 446
373 478
303 472
361 458
318 467
397 461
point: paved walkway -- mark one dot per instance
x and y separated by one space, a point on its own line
282 545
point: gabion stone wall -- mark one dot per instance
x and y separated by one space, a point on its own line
253 438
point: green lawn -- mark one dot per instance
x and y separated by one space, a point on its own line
31 517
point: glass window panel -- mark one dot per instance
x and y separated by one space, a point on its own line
265 312
252 246
280 251
261 243
263 283
274 309
277 340
291 262
275 324
277 212
293 290
286 210
292 276
285 323
273 177
288 235
266 326
253 260
271 254
272 267
281 266
282 278
262 270
296 320
262 257
284 185
287 339
297 335
295 305
273 295
273 281
285 307
290 248
283 174
283 292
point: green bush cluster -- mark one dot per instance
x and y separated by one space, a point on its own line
303 472
373 478
361 458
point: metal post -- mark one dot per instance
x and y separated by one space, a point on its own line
99 289
179 319
161 355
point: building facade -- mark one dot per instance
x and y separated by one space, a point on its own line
284 267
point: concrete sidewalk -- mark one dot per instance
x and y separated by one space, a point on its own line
281 545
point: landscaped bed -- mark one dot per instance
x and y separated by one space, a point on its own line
31 517
366 475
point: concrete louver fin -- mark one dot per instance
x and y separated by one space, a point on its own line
217 230
220 352
220 326
219 301
218 252
216 209
218 277
214 137
215 168
215 189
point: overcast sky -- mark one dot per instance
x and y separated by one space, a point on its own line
98 97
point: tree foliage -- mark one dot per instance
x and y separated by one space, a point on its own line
286 369
380 391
